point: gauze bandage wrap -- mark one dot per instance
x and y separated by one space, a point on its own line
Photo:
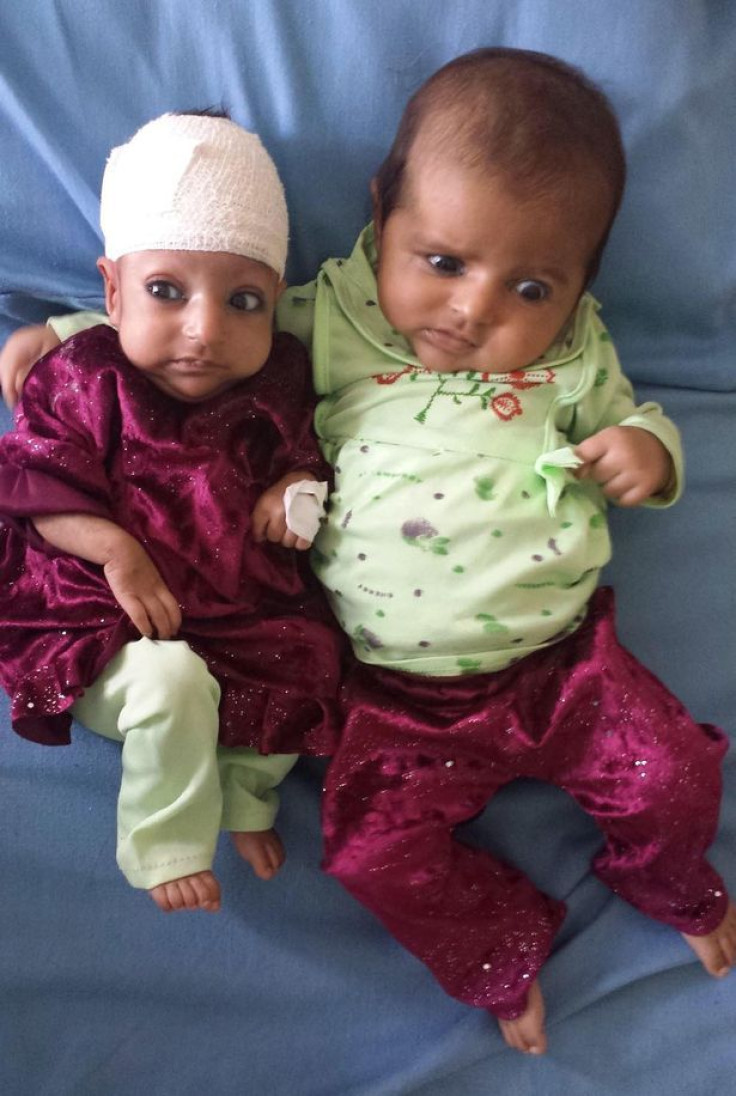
304 505
194 183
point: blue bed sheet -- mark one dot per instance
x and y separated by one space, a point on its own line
293 989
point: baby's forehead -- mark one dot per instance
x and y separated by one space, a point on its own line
577 188
463 211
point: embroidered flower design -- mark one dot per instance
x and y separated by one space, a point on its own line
521 379
391 378
506 406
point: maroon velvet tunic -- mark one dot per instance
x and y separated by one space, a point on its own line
94 435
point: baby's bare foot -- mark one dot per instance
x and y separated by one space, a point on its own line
717 950
526 1033
263 851
200 891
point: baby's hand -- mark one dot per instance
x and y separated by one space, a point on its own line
141 592
630 464
20 353
269 515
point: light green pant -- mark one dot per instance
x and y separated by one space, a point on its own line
178 787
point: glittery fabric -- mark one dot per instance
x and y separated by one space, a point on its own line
95 436
421 755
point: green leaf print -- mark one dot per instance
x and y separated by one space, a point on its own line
491 625
436 545
468 665
484 488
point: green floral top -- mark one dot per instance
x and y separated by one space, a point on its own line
457 539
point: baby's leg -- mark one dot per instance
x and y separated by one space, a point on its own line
657 805
478 924
526 1033
250 804
716 950
264 851
651 777
159 699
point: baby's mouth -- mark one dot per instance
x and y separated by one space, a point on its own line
193 366
450 341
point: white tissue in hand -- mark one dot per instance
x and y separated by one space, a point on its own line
304 503
555 468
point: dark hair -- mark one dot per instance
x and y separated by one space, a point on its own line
520 113
205 112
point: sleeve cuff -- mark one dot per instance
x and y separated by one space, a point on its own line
74 322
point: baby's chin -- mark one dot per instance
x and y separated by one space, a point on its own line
191 390
442 359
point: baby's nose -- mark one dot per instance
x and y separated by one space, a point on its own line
478 301
202 321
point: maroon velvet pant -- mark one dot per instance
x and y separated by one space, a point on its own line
421 755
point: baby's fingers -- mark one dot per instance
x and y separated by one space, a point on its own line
156 616
173 609
583 471
624 489
291 540
164 613
138 614
627 495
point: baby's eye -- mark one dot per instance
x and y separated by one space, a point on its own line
246 301
446 264
532 291
164 291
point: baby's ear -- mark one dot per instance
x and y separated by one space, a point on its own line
376 209
109 271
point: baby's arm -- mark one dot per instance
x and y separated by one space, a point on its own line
20 353
26 345
632 451
133 579
298 452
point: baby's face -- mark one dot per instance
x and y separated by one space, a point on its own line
195 322
475 277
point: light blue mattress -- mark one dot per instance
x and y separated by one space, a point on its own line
293 989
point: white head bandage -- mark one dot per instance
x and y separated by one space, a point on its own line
194 183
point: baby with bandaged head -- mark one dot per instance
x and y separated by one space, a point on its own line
161 473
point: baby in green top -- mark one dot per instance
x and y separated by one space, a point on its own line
478 422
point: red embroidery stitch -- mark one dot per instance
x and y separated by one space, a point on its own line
506 406
391 378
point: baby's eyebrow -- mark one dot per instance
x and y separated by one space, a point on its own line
434 246
533 271
555 274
